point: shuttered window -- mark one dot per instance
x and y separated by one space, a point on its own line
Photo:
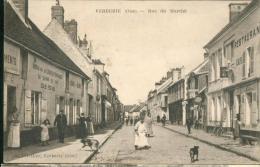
33 107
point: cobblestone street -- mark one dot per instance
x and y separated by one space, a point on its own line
167 147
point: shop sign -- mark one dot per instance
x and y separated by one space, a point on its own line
45 76
75 84
198 99
11 58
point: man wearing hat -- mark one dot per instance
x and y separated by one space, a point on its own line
61 123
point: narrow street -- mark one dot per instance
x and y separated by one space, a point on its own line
167 147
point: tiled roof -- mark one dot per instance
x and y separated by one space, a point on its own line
35 40
56 33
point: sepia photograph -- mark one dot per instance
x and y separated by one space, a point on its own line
125 83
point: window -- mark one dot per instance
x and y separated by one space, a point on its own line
213 67
67 81
98 85
36 107
220 57
228 53
24 56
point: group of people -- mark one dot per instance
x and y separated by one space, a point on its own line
85 127
162 120
131 120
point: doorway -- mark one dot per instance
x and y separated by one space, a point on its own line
11 101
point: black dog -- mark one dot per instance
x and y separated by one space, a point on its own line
92 143
194 152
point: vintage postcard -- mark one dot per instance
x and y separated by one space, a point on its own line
131 83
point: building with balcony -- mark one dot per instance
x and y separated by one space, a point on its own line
197 80
234 60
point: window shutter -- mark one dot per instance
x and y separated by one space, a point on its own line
28 108
57 103
244 65
251 54
43 107
254 110
243 108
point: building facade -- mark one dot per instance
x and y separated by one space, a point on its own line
36 81
197 80
234 70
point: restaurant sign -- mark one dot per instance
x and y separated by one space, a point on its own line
248 36
11 58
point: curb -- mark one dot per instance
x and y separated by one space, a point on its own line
216 145
103 142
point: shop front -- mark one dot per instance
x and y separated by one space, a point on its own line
44 97
13 85
246 105
74 101
175 112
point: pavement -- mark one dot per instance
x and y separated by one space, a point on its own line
228 144
69 152
167 147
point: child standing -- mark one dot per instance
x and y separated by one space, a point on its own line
45 132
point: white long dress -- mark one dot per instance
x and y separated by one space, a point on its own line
45 133
141 139
14 135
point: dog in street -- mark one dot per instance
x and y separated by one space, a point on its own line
194 151
92 143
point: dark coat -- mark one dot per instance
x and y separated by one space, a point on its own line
60 121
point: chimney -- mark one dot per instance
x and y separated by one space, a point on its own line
57 12
157 84
235 9
83 45
206 55
71 27
22 6
169 74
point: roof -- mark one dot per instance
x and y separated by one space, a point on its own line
35 40
55 32
97 62
239 17
202 68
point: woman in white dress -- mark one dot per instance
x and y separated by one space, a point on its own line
141 141
149 122
14 129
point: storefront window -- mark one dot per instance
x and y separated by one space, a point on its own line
36 107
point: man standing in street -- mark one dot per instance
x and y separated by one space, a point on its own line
188 123
163 119
61 123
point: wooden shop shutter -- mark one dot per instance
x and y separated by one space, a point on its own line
43 107
254 110
28 108
243 108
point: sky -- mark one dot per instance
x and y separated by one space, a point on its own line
139 48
